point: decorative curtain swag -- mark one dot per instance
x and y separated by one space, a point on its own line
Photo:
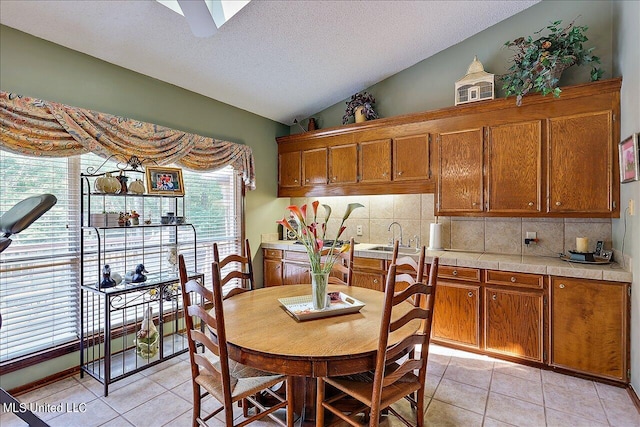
35 127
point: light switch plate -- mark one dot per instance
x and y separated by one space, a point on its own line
358 230
531 235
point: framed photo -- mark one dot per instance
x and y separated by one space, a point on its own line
165 180
629 160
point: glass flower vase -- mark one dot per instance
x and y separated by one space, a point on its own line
319 295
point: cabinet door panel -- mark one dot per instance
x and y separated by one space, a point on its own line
411 158
460 160
589 326
456 314
314 166
272 272
514 168
289 169
368 280
375 161
580 163
296 274
513 323
343 164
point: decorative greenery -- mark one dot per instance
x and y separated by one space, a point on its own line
538 64
312 235
363 99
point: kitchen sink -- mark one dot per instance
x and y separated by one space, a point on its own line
409 251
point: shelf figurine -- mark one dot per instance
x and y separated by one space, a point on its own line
107 281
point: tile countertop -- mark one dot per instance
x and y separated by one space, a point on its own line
517 263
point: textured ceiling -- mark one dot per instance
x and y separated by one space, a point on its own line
278 59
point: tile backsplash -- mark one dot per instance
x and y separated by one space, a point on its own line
414 212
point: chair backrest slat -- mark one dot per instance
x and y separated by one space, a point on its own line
343 267
242 262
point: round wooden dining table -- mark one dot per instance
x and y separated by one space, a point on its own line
262 334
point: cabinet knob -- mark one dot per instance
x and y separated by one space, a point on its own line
399 173
278 267
334 178
513 280
384 174
375 280
307 180
474 204
295 180
494 297
561 286
530 203
470 294
455 272
558 203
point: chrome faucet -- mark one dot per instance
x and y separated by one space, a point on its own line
393 237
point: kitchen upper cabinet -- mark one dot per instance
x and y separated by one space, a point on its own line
375 161
550 157
589 327
343 164
289 169
514 168
411 158
314 167
460 172
580 163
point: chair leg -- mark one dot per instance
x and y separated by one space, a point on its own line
289 396
196 404
420 408
319 399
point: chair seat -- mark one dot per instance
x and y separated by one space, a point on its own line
245 381
360 386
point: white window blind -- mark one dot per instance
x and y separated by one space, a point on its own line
40 271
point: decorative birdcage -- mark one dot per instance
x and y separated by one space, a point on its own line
477 85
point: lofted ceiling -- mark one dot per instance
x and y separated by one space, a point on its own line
278 59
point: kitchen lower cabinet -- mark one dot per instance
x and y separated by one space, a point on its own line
513 323
272 263
589 330
369 273
456 314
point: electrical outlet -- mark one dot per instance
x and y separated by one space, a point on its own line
358 230
632 211
531 235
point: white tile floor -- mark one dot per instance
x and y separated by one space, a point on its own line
463 389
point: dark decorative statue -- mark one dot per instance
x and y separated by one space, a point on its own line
138 277
107 281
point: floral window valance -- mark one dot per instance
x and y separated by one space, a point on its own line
42 128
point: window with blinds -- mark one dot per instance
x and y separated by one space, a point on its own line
40 271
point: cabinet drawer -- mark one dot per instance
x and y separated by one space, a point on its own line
508 278
273 253
296 256
459 273
368 263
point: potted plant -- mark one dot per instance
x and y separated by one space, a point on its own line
538 64
360 107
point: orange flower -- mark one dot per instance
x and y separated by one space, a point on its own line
546 44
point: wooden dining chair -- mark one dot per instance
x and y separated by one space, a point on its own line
242 269
342 270
212 371
394 377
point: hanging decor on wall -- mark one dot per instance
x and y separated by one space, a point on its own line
476 85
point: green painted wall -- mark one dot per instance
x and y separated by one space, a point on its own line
34 67
430 83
